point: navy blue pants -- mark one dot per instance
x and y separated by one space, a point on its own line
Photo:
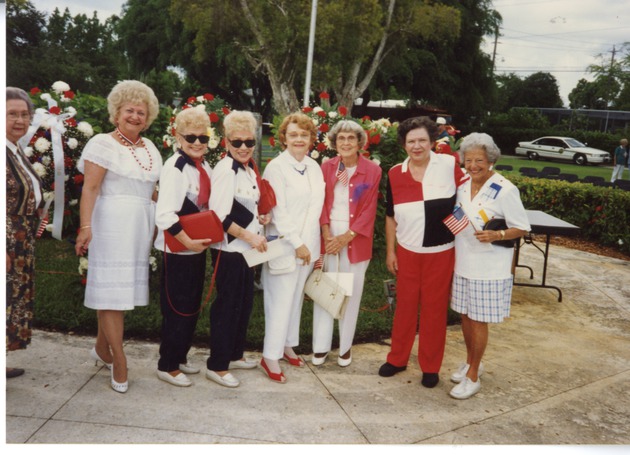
230 312
181 291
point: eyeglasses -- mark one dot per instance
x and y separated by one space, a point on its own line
350 139
15 116
191 138
238 143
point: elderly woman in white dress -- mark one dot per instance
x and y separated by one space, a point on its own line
298 183
117 213
347 221
483 280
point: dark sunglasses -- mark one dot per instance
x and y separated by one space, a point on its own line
249 143
191 138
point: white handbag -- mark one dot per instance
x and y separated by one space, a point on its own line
326 292
345 279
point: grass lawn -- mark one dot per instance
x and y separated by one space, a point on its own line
566 168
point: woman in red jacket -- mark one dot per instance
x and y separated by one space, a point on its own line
347 223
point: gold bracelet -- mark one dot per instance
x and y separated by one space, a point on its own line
87 226
352 233
502 234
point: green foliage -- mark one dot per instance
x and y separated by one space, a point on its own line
603 214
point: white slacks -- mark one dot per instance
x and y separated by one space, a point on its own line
283 298
323 322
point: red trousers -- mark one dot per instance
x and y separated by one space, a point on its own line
423 286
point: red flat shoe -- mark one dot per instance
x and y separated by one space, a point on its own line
296 362
277 377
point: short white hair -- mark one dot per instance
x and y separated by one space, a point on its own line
440 121
481 141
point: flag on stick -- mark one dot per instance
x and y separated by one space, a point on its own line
457 221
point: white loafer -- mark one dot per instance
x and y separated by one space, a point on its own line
228 380
188 368
460 374
318 360
344 362
242 364
466 389
181 380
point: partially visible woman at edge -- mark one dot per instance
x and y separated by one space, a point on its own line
24 200
117 212
234 198
298 183
482 284
347 223
184 190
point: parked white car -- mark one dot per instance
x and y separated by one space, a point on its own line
562 148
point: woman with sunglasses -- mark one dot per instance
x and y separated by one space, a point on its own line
117 219
299 186
184 190
234 198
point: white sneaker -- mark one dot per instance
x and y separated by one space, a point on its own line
242 364
465 389
188 368
460 374
181 380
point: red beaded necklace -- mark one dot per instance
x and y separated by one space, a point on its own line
132 145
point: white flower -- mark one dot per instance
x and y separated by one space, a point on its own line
620 242
49 227
66 178
153 263
42 145
73 202
377 161
326 141
201 99
314 154
63 99
49 195
72 143
71 110
83 265
45 96
213 143
317 109
86 129
332 114
324 159
28 151
46 160
60 86
315 122
39 169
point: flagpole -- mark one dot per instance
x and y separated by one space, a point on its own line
309 58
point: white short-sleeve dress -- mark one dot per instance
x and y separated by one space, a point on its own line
123 222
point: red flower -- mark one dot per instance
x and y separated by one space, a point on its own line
321 147
272 141
222 143
55 110
324 127
366 118
186 106
173 131
84 281
375 139
35 91
598 208
214 117
322 114
307 109
66 212
324 96
165 145
366 154
343 111
69 94
71 122
67 161
225 110
191 100
78 179
208 96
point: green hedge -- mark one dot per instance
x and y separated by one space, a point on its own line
603 214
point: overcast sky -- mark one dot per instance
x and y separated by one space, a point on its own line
561 37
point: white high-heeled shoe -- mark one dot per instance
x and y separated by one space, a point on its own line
97 358
120 387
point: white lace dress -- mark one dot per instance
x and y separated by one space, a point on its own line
123 222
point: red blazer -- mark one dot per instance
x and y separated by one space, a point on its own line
364 185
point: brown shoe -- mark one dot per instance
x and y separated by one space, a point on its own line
14 372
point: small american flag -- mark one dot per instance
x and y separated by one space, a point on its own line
342 174
42 226
457 221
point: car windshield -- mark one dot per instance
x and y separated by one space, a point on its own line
574 142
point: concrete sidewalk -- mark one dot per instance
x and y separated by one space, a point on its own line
556 373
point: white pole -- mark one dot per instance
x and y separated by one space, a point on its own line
311 47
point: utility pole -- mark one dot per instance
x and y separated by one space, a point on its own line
494 52
311 48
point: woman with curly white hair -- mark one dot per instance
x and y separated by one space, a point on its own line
483 280
117 212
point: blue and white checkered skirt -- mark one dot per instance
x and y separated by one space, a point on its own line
482 300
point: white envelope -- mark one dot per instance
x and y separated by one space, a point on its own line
275 249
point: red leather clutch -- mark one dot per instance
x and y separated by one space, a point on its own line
202 225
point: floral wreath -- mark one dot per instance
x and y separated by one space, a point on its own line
216 110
